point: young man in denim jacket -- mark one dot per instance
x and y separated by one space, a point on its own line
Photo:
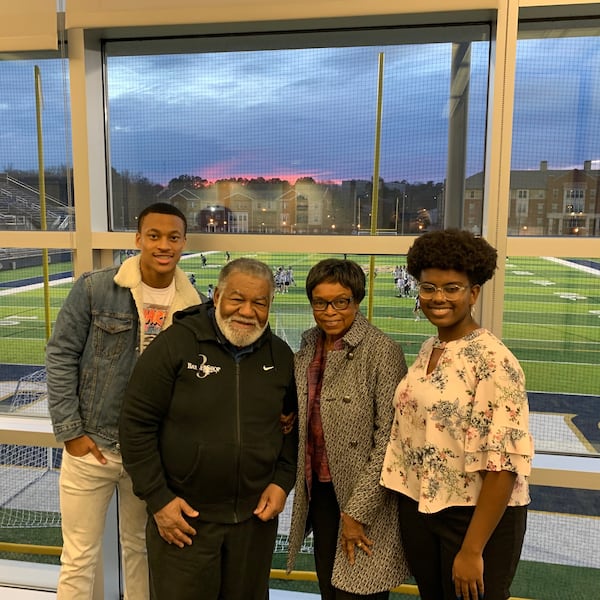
108 318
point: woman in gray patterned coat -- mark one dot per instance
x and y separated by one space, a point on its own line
346 374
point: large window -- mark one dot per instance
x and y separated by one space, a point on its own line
363 133
552 324
556 134
334 125
34 110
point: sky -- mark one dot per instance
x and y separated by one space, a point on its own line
310 112
289 113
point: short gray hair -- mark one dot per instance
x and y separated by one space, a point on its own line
248 266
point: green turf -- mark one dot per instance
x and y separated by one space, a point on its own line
551 317
40 536
551 314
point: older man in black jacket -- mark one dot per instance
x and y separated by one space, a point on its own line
206 442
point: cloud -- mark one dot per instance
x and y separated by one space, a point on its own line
311 111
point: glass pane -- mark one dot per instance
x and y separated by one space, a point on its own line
30 302
284 141
29 501
552 325
555 172
22 150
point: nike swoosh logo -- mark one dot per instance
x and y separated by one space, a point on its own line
267 368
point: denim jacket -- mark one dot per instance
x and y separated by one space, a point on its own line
93 349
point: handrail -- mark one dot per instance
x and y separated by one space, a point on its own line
30 549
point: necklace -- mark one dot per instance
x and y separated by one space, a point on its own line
438 344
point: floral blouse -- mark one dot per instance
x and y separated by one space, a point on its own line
470 414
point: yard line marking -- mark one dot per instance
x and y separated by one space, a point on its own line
572 265
34 286
577 364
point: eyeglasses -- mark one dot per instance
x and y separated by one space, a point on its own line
452 291
338 304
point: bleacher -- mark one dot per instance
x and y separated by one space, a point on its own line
20 207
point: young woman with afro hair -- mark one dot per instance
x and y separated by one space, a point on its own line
460 450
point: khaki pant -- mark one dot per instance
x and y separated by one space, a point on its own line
86 488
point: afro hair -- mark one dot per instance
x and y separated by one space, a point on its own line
453 249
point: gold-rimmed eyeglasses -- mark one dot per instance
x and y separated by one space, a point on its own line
451 291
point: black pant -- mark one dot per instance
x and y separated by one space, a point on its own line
431 541
324 516
224 562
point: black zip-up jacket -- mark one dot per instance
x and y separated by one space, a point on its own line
202 421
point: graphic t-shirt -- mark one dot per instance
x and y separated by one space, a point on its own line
157 303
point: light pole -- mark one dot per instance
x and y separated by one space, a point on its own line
403 201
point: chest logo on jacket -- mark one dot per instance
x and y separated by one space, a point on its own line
202 369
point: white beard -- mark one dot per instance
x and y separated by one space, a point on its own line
239 338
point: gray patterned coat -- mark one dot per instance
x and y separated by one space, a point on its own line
357 411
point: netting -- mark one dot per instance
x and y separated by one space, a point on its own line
283 530
29 491
30 396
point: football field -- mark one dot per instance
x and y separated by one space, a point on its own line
551 312
551 323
